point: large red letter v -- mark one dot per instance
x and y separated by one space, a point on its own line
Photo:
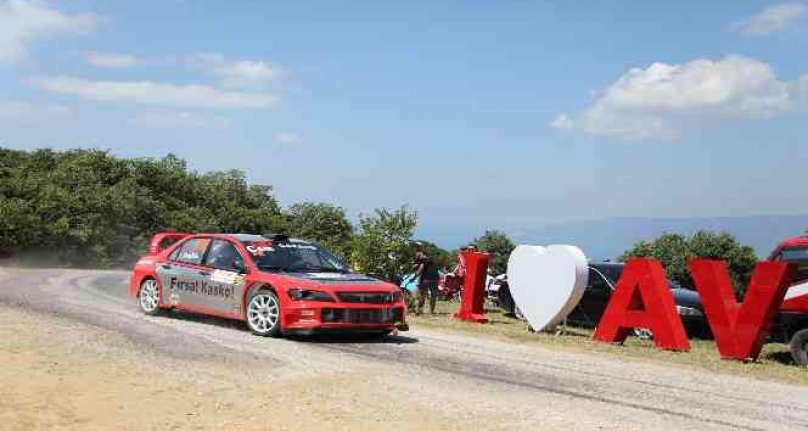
741 329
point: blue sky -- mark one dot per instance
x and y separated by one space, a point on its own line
477 114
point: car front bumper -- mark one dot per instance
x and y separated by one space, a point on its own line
303 317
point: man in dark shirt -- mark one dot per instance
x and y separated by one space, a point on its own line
427 272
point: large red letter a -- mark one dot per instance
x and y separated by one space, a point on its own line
740 329
643 299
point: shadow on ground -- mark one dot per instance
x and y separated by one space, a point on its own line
341 337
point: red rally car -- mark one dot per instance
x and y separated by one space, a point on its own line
277 284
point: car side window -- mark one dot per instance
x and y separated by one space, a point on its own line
174 254
224 255
191 251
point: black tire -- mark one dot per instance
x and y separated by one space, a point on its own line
149 297
263 313
799 347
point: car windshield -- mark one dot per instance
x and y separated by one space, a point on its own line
294 256
798 255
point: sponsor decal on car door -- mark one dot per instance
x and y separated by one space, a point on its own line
223 290
183 276
224 282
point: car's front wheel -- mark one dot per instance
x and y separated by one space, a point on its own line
149 297
799 347
264 313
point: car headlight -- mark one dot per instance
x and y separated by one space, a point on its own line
396 296
309 295
688 311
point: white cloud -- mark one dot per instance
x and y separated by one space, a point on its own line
241 73
771 19
111 60
246 73
21 21
286 138
153 93
27 113
662 100
175 120
563 121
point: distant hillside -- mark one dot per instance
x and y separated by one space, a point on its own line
608 238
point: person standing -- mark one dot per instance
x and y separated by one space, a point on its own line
428 276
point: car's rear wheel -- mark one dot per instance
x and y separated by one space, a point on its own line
149 297
799 347
264 313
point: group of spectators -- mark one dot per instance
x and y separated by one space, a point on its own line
427 275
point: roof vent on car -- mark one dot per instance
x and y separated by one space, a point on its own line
279 237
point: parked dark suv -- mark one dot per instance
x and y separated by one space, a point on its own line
602 282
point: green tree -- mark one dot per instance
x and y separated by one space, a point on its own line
741 259
499 245
381 247
323 223
88 207
675 250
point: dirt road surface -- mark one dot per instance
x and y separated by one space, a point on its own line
78 354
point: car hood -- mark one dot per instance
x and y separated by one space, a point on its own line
334 277
338 280
686 298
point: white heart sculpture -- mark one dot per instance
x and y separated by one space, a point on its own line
547 283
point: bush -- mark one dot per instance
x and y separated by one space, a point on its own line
675 250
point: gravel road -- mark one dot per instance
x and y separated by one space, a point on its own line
494 384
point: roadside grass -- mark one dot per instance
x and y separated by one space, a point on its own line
774 363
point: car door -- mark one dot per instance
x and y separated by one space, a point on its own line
224 281
596 297
182 275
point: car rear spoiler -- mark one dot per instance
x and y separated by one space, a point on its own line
163 240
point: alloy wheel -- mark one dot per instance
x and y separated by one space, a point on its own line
149 296
263 312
